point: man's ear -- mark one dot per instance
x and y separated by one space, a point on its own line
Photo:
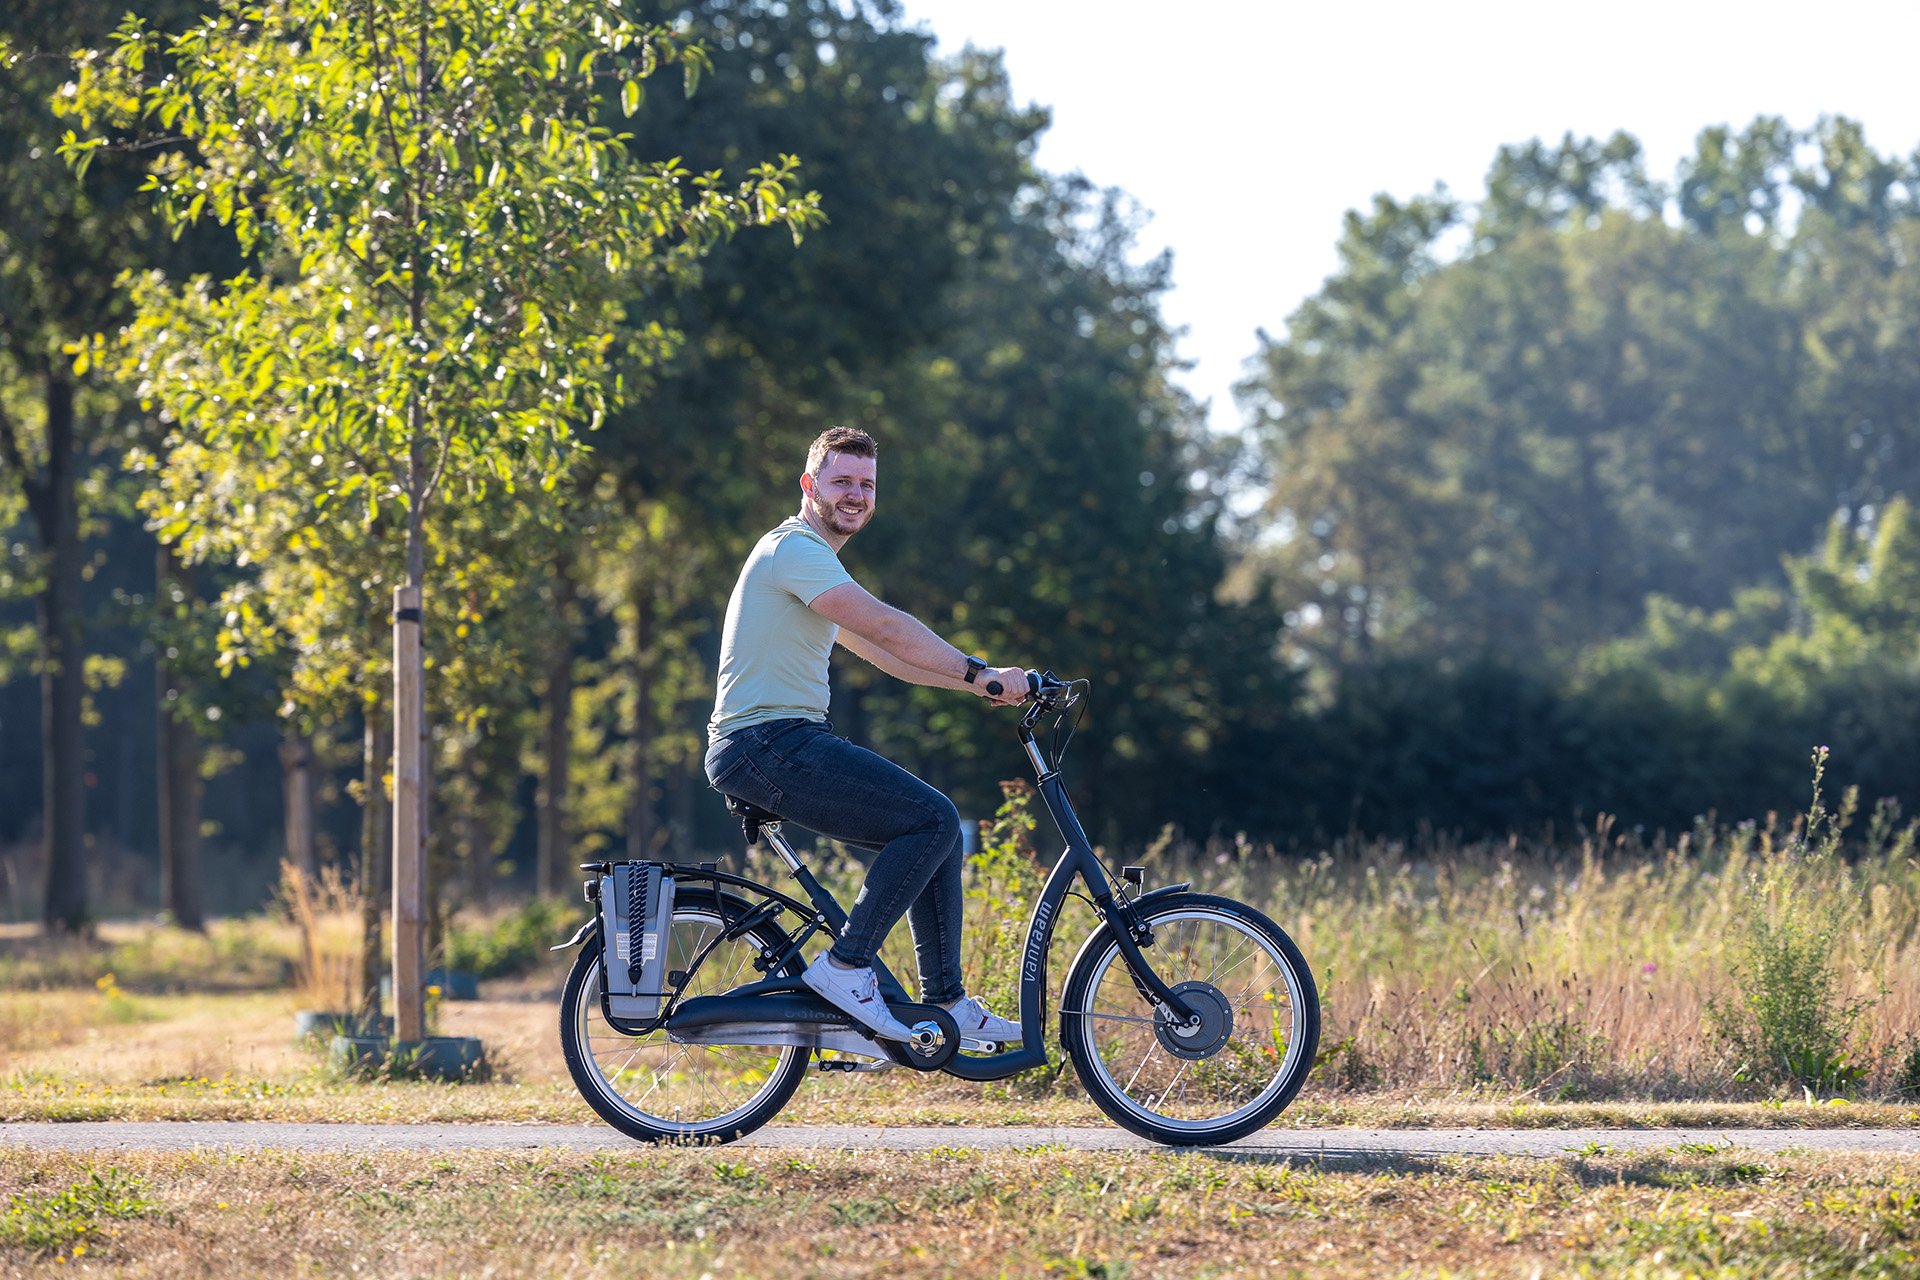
806 483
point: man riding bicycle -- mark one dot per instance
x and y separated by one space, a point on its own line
769 742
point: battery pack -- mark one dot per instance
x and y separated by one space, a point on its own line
636 922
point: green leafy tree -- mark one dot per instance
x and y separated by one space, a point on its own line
1737 179
1592 433
1507 450
1858 603
1350 493
443 229
1535 187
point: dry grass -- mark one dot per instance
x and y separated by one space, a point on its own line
75 1056
325 912
243 954
1566 974
958 1212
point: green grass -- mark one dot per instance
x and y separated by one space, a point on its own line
69 1219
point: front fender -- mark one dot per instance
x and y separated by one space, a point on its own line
1165 890
579 935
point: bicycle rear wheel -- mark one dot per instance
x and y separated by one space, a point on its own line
1221 1078
654 1090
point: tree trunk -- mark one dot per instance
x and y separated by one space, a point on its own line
62 686
642 824
556 742
182 887
376 832
296 786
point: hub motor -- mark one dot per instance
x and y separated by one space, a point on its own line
1211 1029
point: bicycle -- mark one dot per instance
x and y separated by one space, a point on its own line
1191 1019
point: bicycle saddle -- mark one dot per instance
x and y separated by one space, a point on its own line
743 809
751 816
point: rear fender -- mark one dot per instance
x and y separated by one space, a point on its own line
579 935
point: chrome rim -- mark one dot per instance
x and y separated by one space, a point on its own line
686 1087
1250 1065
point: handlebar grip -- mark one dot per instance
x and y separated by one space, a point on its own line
994 688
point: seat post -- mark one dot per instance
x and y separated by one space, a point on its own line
777 841
823 902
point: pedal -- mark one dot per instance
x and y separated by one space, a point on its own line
848 1066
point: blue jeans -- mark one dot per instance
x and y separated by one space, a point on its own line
801 771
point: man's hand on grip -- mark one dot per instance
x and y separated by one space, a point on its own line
1012 682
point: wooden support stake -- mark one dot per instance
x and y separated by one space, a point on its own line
409 820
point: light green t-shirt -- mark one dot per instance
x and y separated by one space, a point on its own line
774 650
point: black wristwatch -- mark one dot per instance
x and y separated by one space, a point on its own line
974 668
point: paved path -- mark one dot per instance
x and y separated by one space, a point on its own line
1273 1144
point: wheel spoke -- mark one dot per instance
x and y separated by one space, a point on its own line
1143 1065
1213 973
1161 1102
1110 1017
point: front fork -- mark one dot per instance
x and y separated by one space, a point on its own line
1132 935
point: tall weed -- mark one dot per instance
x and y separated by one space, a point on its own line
1793 1021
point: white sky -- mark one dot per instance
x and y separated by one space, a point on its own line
1248 127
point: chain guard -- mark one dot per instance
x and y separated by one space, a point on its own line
911 1055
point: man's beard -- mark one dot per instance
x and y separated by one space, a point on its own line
844 523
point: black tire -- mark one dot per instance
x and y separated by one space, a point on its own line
654 1090
1225 1081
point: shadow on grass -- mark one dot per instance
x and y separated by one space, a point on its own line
1340 1159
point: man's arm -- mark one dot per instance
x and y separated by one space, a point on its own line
899 670
905 647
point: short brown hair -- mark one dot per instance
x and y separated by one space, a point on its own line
839 440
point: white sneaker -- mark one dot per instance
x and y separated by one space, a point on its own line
856 993
976 1023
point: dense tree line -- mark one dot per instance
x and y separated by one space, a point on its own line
1586 497
1516 447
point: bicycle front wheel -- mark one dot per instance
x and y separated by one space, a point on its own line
654 1090
1225 1074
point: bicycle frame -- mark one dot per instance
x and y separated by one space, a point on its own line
759 1001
